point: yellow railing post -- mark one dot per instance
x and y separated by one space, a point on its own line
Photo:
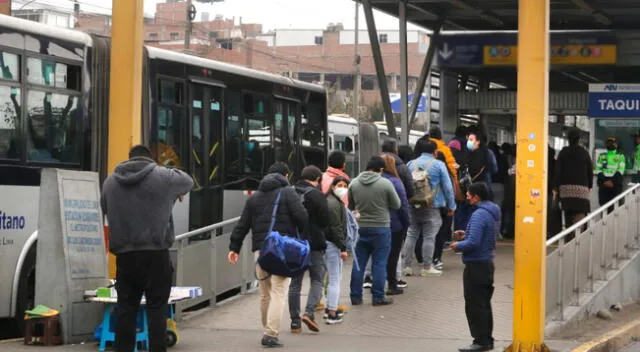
125 89
531 176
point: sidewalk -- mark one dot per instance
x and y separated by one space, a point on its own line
429 317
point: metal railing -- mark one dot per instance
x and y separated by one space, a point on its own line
200 258
581 255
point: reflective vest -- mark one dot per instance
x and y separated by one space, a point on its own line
610 163
636 159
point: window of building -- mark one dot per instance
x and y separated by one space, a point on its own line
435 93
153 36
213 34
174 35
318 40
54 129
383 38
9 122
53 74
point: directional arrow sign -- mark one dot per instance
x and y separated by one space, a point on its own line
445 53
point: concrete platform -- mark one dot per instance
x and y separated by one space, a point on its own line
428 317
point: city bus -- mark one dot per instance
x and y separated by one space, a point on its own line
221 123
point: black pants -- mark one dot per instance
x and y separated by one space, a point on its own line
138 273
397 240
444 234
478 290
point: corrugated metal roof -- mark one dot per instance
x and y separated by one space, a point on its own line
503 14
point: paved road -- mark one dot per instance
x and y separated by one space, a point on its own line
632 348
428 317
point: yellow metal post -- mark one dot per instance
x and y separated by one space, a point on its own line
125 91
531 174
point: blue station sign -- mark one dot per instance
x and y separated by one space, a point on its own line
501 49
614 100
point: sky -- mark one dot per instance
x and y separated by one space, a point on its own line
272 14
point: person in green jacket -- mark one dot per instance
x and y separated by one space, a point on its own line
610 170
373 197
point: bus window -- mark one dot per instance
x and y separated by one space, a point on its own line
343 143
52 74
9 122
170 114
233 142
257 146
313 132
53 128
10 64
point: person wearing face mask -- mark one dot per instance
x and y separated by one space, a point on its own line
478 244
336 246
610 170
476 168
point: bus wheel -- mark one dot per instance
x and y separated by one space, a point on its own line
26 288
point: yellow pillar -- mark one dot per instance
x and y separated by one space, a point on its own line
125 91
531 174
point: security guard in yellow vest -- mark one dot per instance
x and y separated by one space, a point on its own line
610 170
636 158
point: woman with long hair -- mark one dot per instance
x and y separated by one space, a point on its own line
336 251
399 224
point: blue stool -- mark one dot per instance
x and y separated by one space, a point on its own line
108 335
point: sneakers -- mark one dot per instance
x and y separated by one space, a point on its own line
383 302
326 313
394 291
310 321
408 271
402 284
367 282
430 272
319 307
271 342
296 326
438 264
333 319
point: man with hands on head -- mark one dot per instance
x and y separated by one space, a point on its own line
478 244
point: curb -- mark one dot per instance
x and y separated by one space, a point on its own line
614 340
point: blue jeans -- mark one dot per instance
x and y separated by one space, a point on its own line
375 242
333 262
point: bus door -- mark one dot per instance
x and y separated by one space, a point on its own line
206 126
287 114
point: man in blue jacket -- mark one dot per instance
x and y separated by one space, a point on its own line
478 247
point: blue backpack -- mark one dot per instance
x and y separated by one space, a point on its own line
282 255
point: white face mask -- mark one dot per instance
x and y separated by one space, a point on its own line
340 192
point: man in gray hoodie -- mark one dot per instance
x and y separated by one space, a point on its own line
373 197
138 199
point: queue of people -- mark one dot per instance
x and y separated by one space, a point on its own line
406 205
401 208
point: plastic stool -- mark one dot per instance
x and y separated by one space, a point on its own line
107 335
43 331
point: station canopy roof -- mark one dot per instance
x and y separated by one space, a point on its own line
480 15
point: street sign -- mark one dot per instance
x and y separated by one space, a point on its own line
501 49
614 100
396 105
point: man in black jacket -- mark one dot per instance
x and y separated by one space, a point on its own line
316 204
291 218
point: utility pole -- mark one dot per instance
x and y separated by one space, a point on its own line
190 16
357 79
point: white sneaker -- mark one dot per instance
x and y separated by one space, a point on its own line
430 272
407 271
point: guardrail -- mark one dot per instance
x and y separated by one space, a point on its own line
584 253
200 258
